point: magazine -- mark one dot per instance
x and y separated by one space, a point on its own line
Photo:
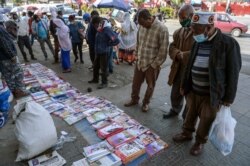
148 138
108 160
53 106
96 117
73 118
51 159
120 138
109 130
82 162
130 151
137 130
97 151
155 147
101 124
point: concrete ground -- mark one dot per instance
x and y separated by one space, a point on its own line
119 92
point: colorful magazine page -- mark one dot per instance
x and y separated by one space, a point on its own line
156 147
137 130
90 110
53 106
97 151
98 116
130 151
121 118
148 138
108 160
52 159
63 113
109 130
120 138
39 95
73 118
101 124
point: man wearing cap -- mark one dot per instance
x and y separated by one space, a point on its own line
9 67
179 51
210 79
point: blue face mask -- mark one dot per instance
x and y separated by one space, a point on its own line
200 38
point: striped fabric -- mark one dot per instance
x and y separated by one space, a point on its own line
200 70
152 45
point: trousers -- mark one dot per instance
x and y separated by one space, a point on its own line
24 41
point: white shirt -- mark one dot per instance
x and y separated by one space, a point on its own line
23 26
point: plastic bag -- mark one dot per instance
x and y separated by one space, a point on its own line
35 130
222 131
65 137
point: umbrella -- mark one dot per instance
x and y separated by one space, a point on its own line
117 4
31 8
17 9
4 10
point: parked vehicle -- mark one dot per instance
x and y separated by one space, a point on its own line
226 24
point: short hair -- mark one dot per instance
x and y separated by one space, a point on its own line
96 20
188 8
94 13
30 13
71 17
144 14
35 17
59 12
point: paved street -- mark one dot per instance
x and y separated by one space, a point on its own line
119 92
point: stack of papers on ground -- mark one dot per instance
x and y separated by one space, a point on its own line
130 151
156 147
96 117
120 138
109 130
51 159
97 151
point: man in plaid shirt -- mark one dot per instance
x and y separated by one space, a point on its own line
151 52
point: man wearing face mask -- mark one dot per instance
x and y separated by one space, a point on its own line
151 53
179 51
210 79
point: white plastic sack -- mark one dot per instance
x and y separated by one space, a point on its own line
222 131
35 131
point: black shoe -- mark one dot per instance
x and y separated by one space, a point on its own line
102 86
93 82
26 60
76 59
33 58
170 114
82 62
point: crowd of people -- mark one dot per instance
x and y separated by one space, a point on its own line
205 63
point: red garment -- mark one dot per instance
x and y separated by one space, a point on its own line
30 24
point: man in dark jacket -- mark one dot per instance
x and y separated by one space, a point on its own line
90 37
210 79
105 39
9 67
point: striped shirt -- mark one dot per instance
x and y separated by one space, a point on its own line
152 45
200 70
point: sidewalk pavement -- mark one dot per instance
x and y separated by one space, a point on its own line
176 154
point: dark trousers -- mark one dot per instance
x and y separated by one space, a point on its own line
24 41
92 53
199 106
101 62
56 49
42 42
77 47
177 99
151 76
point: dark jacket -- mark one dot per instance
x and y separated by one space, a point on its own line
7 46
90 35
224 69
105 40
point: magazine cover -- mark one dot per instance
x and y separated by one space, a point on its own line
73 118
137 130
108 160
96 117
130 151
96 151
101 124
82 162
155 147
109 130
120 138
148 138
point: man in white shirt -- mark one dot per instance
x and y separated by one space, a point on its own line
23 36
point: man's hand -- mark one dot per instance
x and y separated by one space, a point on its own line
179 56
182 91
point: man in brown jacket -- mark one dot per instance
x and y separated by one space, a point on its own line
179 51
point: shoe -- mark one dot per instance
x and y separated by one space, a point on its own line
76 59
170 114
93 82
102 86
131 103
82 62
145 108
180 138
55 62
67 71
33 58
26 60
196 149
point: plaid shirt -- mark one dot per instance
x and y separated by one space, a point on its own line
152 45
